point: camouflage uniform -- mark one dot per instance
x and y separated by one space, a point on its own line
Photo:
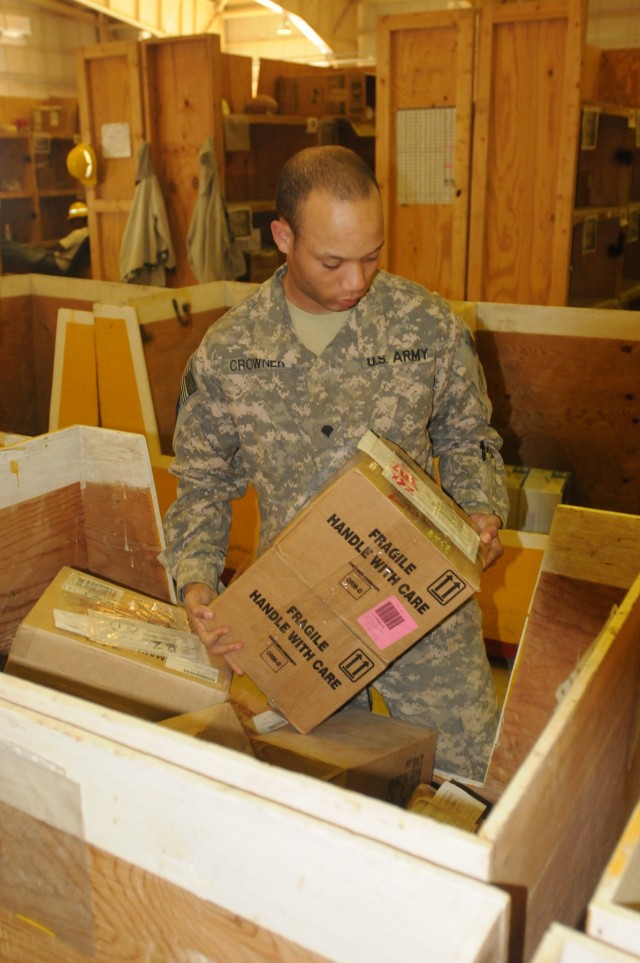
257 406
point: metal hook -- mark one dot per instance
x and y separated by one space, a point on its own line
184 317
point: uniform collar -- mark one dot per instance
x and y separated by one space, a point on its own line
364 335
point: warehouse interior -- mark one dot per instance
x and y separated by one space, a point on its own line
157 803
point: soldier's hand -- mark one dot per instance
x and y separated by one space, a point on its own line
215 638
489 527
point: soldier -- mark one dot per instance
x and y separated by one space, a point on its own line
283 387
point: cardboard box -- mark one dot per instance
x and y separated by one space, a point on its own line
369 753
542 491
218 724
378 558
338 93
142 683
515 476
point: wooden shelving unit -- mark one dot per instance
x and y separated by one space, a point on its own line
35 187
605 250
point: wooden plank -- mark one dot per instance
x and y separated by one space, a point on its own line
109 93
617 559
328 880
425 63
507 590
74 389
123 382
524 151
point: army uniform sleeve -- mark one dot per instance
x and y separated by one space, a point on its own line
470 465
209 466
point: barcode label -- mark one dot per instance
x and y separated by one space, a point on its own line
387 622
80 584
389 615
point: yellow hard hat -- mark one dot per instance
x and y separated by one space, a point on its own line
77 209
82 164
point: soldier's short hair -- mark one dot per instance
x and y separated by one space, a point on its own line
336 170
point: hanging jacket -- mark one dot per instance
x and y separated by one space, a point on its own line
214 253
146 251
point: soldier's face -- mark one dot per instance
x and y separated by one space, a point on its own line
333 259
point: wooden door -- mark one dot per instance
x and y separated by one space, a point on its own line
423 140
110 94
182 79
527 114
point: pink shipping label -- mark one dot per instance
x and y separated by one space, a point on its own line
387 622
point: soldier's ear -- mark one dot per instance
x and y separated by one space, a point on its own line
282 235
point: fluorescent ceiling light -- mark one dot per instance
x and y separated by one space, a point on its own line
284 30
270 5
301 25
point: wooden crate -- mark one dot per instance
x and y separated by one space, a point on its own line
82 497
29 305
119 369
614 911
143 843
569 788
138 353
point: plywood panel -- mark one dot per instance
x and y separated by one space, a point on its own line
570 403
567 779
507 590
192 876
82 497
156 918
524 151
39 535
425 65
167 346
